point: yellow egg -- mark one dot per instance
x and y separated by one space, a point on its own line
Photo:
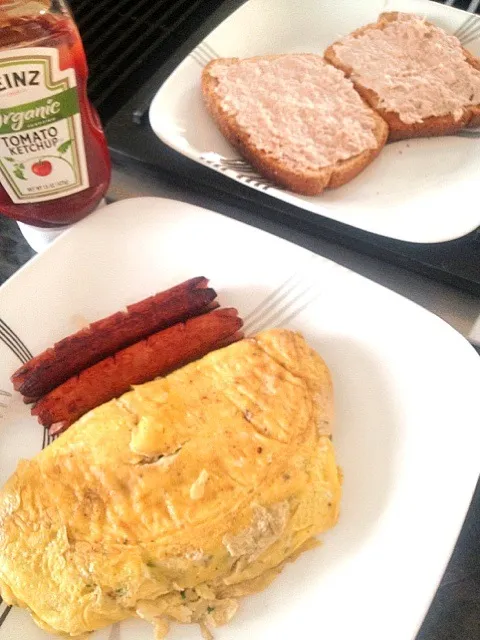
179 497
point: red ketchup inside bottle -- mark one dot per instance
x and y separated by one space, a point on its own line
59 32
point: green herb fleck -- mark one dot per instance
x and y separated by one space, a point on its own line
183 594
120 591
19 173
151 564
210 609
62 148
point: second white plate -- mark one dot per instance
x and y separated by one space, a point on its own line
406 394
418 190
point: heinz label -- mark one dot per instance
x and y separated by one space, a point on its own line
42 153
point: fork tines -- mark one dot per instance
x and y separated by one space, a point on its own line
204 53
244 171
288 300
469 30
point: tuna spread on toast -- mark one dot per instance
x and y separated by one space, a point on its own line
297 108
415 68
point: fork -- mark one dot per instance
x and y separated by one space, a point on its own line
469 30
290 298
203 54
243 171
23 353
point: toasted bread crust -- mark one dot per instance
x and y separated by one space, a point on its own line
308 183
399 130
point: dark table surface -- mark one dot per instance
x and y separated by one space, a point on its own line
455 611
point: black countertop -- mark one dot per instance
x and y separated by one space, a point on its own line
14 251
455 610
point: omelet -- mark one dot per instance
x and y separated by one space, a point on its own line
178 498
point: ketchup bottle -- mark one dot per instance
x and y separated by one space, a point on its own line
54 160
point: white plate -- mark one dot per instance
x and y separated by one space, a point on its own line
406 387
417 190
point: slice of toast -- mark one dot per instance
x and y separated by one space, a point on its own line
414 64
295 118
